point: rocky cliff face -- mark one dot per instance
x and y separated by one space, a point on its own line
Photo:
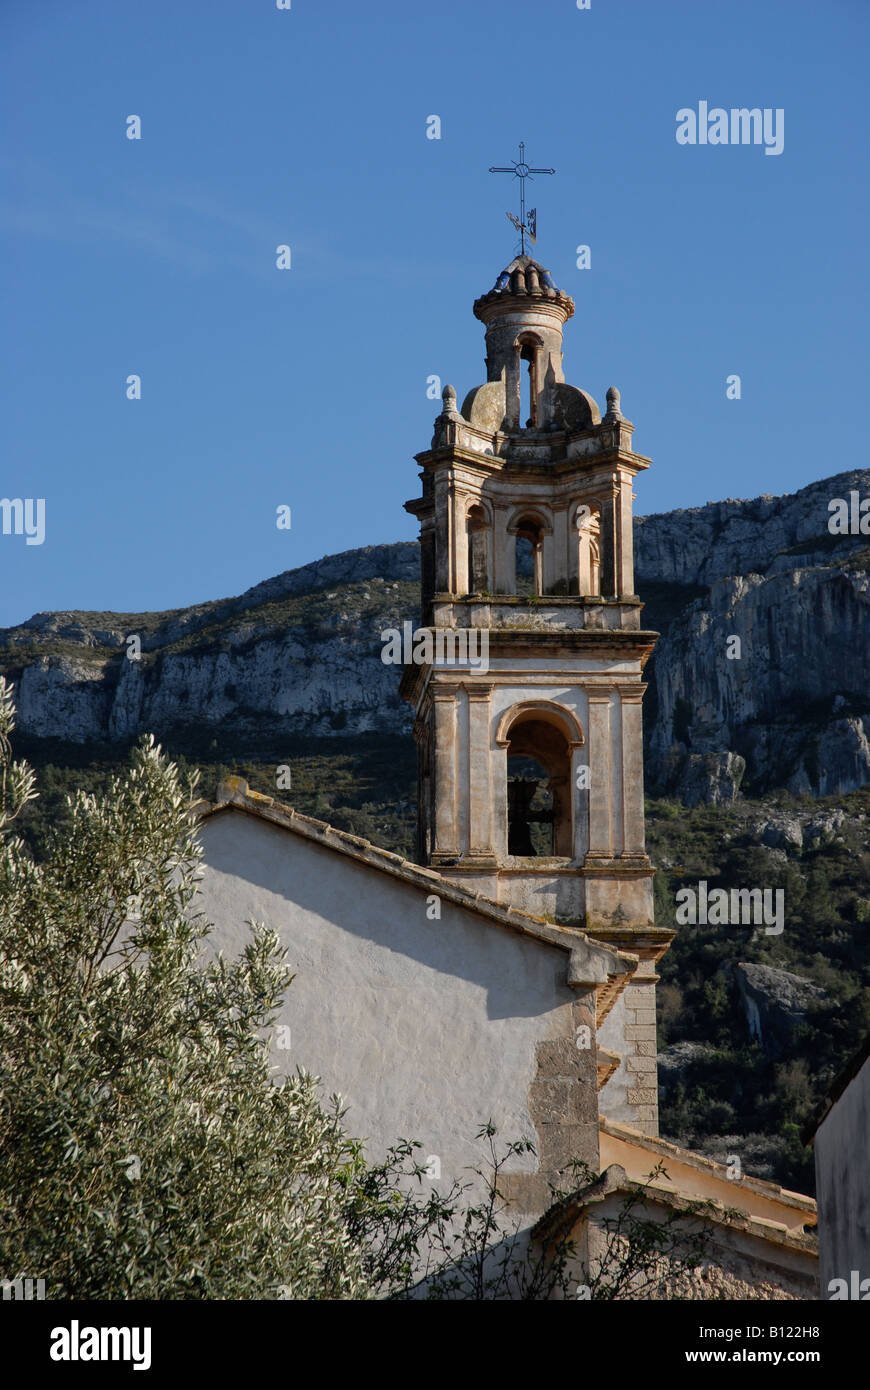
789 704
775 1003
763 678
298 653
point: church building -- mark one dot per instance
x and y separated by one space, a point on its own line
510 973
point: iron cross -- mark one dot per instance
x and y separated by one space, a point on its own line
521 170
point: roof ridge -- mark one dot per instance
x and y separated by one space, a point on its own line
618 1129
605 964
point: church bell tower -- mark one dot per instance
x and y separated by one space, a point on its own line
528 704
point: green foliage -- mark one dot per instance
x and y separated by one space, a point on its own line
466 1246
460 1245
362 784
17 780
145 1151
735 1089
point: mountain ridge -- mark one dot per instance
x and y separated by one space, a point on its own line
299 653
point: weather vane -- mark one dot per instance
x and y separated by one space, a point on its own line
526 226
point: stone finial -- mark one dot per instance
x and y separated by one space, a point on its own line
613 404
448 398
449 414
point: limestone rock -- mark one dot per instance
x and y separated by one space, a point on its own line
792 695
779 832
775 1003
821 829
711 777
231 664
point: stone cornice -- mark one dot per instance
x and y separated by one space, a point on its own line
797 1201
563 1215
542 600
417 679
645 940
609 456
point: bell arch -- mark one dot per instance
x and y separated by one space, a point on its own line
532 529
479 528
538 738
528 347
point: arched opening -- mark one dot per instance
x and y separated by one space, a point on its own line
478 566
529 385
529 565
530 808
589 550
538 788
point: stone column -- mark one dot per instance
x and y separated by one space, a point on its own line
631 697
580 791
600 825
560 578
460 584
573 543
625 537
609 546
617 780
443 536
427 570
501 543
548 567
581 550
479 774
446 829
513 389
499 801
641 1048
510 551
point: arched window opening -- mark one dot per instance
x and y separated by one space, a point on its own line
529 559
539 790
529 385
478 580
530 808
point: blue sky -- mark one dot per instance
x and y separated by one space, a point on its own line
307 387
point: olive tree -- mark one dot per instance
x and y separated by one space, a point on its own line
146 1150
